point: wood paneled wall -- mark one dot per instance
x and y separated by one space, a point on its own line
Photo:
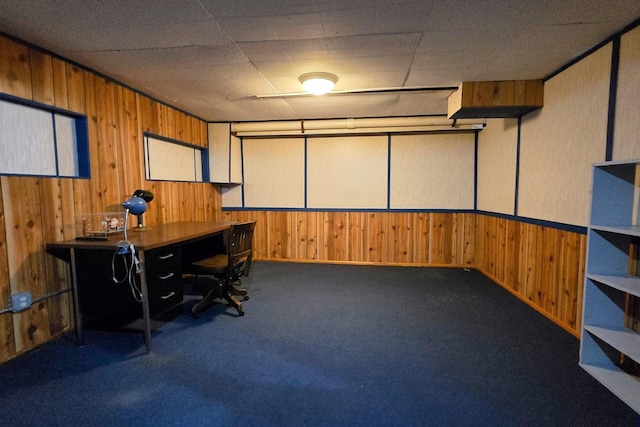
36 210
542 266
437 239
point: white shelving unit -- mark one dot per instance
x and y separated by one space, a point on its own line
613 229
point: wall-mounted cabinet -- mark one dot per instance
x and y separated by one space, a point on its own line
225 155
495 99
610 346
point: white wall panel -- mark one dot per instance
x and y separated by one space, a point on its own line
626 143
347 172
433 171
236 159
497 150
218 152
561 141
273 172
232 197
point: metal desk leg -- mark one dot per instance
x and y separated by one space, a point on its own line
145 301
76 298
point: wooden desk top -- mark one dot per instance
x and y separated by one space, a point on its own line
154 237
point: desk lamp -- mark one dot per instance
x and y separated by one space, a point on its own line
137 206
147 196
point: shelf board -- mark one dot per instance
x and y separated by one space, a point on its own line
628 284
622 339
617 163
226 184
623 385
627 230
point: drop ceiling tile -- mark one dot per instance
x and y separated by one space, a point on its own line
194 56
145 12
294 27
139 37
440 77
446 60
347 47
465 39
246 88
193 75
266 8
354 80
306 49
313 65
272 50
390 44
391 63
121 62
351 65
277 68
403 17
388 79
455 15
349 22
207 32
284 84
244 70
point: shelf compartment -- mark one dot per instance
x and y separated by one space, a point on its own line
623 340
624 386
608 251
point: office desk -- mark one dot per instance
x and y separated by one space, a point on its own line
161 252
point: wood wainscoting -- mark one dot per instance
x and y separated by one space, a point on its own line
435 239
541 265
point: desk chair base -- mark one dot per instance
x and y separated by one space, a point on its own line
239 291
217 292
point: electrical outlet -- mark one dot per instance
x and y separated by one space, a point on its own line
20 301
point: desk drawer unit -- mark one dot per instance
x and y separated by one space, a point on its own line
164 278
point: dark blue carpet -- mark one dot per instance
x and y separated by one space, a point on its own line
324 345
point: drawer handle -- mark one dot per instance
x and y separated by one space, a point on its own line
167 296
167 256
166 276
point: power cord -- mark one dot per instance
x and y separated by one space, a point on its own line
126 247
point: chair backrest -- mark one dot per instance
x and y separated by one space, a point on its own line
239 247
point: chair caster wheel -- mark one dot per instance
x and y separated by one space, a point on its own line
241 313
246 297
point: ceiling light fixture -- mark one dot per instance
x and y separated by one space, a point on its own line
318 83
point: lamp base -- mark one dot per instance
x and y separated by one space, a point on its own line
140 228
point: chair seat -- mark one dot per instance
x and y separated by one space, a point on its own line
216 262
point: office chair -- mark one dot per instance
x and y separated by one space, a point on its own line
227 268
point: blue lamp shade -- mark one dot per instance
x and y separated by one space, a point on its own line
135 205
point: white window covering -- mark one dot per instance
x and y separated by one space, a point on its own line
171 161
66 144
26 140
35 141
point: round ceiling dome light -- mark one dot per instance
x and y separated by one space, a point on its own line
318 83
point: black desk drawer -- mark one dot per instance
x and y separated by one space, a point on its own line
164 278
